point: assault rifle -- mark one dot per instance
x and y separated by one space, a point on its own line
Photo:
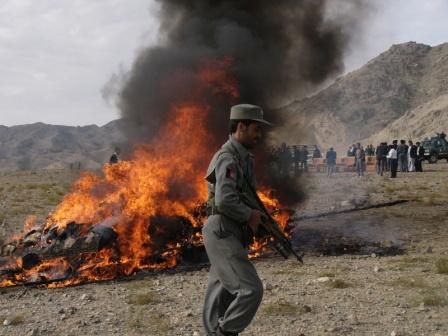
281 242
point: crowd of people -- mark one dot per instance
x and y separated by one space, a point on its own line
403 156
287 159
389 157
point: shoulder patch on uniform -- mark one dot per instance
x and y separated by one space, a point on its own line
231 173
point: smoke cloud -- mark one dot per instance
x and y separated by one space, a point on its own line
280 50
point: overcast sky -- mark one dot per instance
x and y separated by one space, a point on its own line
56 55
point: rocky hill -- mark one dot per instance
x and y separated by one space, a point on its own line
401 93
42 146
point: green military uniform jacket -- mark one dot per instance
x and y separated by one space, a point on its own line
230 199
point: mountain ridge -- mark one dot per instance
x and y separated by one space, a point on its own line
366 101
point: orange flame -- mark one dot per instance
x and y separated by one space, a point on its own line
161 179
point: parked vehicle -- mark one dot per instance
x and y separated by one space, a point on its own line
436 148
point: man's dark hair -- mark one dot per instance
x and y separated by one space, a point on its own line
403 142
233 124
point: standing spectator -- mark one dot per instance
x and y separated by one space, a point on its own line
304 158
331 161
316 153
393 159
412 155
114 157
419 159
381 158
285 160
297 159
402 153
360 158
354 150
350 151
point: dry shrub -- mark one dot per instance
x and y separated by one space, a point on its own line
280 308
430 298
339 284
409 283
145 298
149 323
442 266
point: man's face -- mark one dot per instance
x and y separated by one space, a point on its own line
250 135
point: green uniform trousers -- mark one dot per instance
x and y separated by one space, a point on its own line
234 289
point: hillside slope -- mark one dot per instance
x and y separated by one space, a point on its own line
42 146
408 79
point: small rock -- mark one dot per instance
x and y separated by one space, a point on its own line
307 309
429 250
61 311
6 322
195 333
267 286
33 332
188 313
323 279
373 255
86 297
376 269
393 333
345 203
63 317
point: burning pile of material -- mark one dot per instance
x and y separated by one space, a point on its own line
142 212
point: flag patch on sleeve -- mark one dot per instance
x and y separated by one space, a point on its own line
231 173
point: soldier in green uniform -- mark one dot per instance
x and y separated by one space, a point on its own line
234 289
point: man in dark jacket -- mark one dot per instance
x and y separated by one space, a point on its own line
419 159
381 158
285 158
331 161
402 153
304 158
412 156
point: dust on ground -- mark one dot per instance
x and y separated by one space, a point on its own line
398 292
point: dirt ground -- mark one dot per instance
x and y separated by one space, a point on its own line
393 279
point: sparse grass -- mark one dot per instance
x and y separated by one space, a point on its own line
371 189
138 285
147 323
442 266
409 261
339 284
288 272
329 274
14 319
430 298
19 211
40 186
52 199
280 308
141 293
409 283
141 299
431 200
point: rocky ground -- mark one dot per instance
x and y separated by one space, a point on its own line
366 292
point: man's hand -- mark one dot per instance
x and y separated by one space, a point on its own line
254 220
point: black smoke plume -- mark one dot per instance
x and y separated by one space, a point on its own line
280 49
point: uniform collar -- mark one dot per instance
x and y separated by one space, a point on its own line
242 151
